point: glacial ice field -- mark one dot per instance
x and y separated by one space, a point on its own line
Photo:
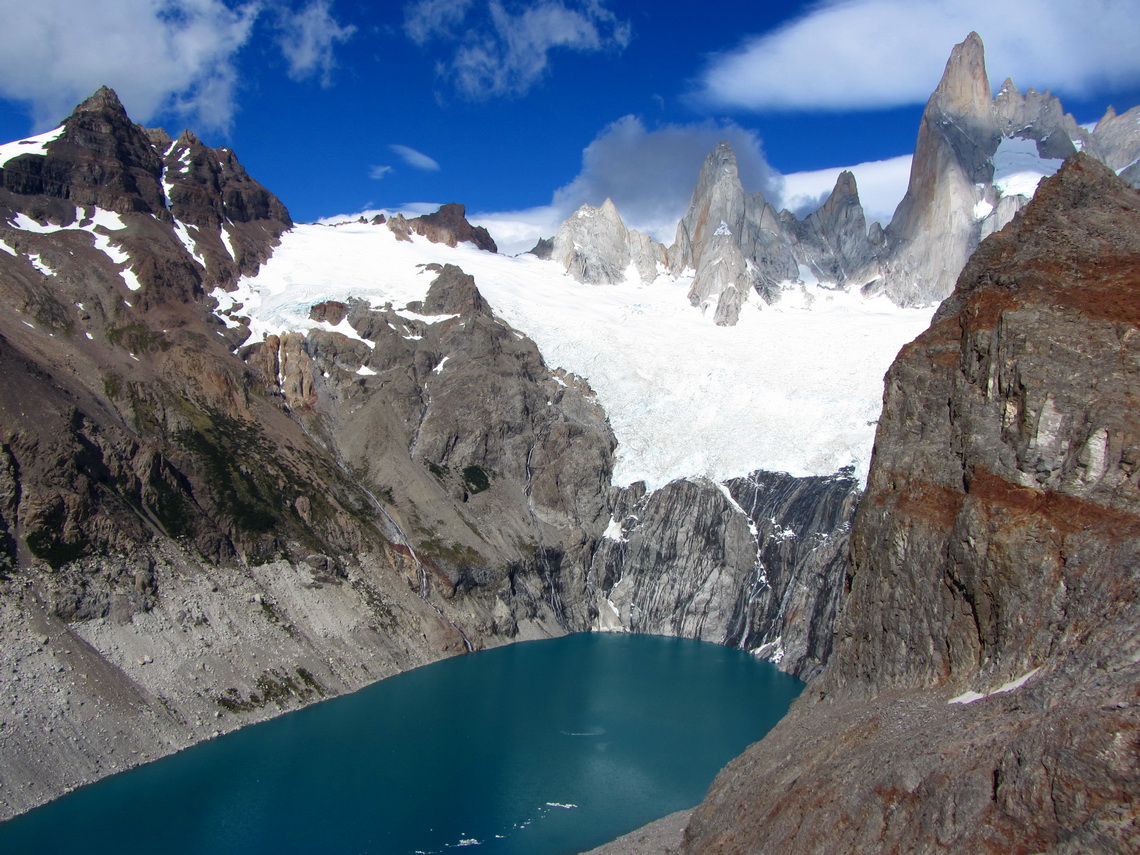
794 387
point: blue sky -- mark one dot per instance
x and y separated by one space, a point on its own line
525 110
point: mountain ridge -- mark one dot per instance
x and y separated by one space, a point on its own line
751 251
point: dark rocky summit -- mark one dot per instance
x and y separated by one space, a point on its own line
982 694
449 226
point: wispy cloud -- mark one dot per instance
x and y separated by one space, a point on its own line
54 53
414 158
425 20
825 60
504 49
378 172
308 39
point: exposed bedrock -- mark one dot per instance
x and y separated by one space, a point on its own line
756 563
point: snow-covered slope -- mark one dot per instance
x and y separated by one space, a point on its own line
794 387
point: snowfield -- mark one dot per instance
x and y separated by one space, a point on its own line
1018 168
795 387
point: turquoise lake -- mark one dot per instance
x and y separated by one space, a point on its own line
544 748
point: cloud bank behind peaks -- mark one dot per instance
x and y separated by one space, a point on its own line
827 59
503 49
650 174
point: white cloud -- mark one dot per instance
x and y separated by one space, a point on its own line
428 19
836 56
54 53
414 158
378 172
308 39
161 56
505 50
519 231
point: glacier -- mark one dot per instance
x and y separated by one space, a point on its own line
794 387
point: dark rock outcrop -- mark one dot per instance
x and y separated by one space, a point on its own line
982 695
102 159
449 226
543 249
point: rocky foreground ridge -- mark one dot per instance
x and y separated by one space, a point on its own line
983 691
199 530
737 245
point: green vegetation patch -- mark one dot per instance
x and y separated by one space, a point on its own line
476 479
137 339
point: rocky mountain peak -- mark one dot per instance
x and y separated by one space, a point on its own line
965 86
104 98
718 197
449 226
452 292
934 228
593 245
845 192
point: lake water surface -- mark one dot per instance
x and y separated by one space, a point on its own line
543 748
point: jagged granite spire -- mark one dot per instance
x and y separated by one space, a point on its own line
709 238
934 228
594 246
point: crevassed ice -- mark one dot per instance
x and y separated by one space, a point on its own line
1018 168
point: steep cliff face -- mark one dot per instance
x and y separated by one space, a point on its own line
756 563
982 695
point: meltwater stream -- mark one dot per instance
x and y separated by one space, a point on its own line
543 748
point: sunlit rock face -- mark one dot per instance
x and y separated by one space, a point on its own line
594 246
756 563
